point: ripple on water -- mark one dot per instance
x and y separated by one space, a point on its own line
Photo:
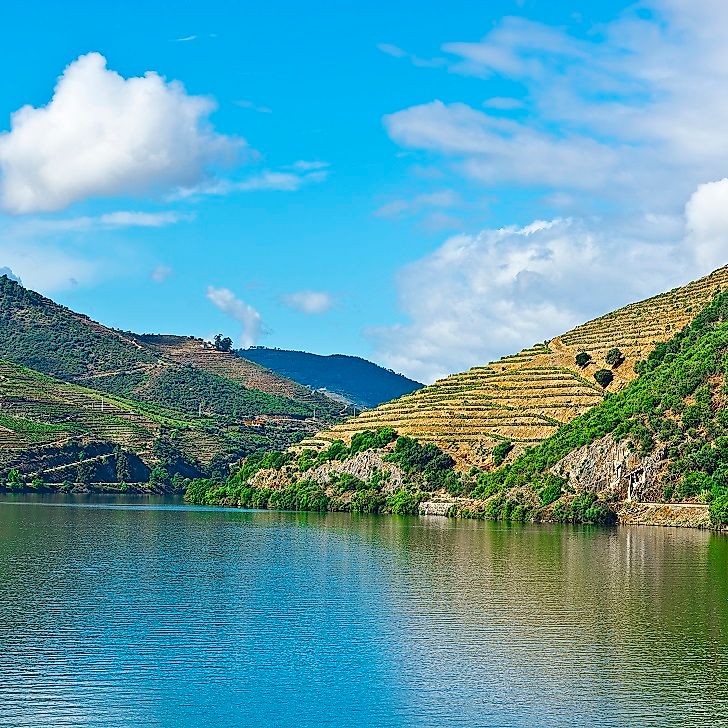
121 614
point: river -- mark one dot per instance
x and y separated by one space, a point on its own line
145 612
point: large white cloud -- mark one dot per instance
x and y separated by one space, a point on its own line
101 135
629 117
706 216
242 312
477 297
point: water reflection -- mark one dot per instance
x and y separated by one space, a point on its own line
168 616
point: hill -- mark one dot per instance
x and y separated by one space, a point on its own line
215 405
520 400
656 451
358 381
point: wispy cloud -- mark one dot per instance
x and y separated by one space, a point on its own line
281 181
185 39
240 311
403 207
309 302
161 273
303 165
252 106
397 52
40 226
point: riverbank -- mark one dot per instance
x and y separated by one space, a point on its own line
144 488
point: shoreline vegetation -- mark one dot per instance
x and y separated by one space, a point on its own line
672 420
675 410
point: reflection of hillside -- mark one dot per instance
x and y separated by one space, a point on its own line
316 619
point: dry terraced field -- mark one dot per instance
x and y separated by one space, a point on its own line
525 397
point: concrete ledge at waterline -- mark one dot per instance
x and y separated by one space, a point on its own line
687 515
436 507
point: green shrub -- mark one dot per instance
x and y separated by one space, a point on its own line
500 452
604 377
614 357
550 493
368 501
718 510
583 508
405 503
582 359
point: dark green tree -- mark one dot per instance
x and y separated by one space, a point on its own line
582 359
223 343
604 377
123 470
614 357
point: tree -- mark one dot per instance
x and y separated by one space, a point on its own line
15 482
85 472
604 377
159 478
614 357
223 343
123 471
582 359
500 452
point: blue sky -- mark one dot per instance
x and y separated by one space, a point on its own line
429 185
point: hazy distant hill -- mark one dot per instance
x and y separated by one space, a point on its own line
359 381
200 403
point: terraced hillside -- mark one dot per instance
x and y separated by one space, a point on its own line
49 426
523 399
213 403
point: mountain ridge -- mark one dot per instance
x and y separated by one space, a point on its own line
359 381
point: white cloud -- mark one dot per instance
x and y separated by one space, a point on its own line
102 135
242 312
504 103
437 199
478 297
245 104
161 273
706 216
303 165
309 302
632 115
397 52
265 180
33 227
127 218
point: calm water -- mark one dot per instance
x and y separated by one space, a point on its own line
148 613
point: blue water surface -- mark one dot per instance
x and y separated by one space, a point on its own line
146 612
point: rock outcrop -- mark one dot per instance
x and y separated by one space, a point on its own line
613 466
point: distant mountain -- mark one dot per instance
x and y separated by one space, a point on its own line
357 380
70 386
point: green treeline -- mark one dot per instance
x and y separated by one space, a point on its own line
677 402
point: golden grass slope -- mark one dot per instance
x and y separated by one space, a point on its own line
525 397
